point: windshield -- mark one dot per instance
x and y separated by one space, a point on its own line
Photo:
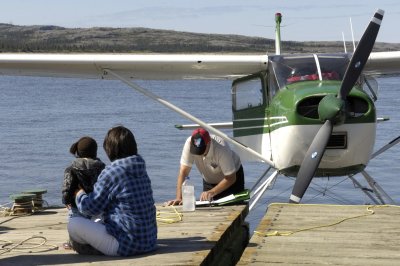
297 68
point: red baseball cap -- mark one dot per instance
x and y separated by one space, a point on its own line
200 139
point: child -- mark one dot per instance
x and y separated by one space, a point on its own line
83 172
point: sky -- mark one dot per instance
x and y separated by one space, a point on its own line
305 20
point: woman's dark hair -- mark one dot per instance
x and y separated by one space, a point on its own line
119 143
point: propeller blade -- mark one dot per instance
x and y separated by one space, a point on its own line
311 162
361 54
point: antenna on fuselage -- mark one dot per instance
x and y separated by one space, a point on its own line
344 43
352 35
278 20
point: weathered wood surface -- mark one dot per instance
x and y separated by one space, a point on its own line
370 239
200 238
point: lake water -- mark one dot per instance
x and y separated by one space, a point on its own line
41 117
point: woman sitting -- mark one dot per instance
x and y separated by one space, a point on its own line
123 197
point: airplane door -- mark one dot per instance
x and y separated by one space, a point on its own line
250 112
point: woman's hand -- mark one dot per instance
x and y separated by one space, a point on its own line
78 191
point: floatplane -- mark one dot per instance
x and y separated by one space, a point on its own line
306 116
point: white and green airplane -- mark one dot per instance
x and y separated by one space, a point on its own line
307 115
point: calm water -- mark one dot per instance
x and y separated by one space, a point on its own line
41 117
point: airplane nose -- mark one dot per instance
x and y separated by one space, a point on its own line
332 108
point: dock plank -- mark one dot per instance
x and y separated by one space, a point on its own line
349 235
200 238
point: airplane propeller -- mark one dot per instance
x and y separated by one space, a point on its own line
331 109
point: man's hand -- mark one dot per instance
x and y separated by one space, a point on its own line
174 202
207 196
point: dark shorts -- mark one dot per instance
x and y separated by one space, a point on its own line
237 187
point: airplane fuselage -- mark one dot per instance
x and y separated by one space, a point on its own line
281 120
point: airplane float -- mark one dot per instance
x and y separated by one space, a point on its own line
307 115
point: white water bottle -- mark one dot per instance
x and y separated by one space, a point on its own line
188 198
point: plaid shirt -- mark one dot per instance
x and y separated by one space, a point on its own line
124 198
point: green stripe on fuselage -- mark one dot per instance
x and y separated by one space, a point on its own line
281 111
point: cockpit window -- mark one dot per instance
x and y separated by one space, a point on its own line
333 67
292 69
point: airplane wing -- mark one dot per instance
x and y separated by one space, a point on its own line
160 66
136 66
383 63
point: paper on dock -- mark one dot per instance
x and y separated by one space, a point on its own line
221 200
244 195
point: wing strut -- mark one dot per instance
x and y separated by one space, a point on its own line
386 147
261 189
378 190
188 116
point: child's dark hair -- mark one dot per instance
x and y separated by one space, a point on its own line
85 147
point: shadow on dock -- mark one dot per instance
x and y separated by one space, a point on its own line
207 236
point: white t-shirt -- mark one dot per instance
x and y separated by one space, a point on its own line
219 162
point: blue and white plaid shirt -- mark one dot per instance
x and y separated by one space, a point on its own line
124 198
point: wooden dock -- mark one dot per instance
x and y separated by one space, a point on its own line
288 234
292 234
208 236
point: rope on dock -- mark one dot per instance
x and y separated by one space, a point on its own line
4 210
27 246
169 217
15 211
22 208
369 212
